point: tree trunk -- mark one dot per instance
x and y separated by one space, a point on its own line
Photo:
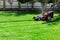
3 4
11 6
32 5
19 5
27 6
43 9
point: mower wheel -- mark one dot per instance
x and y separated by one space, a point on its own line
49 18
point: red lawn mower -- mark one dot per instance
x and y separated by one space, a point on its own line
45 16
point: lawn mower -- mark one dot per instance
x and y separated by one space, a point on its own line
45 16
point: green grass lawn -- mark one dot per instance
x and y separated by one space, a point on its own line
23 27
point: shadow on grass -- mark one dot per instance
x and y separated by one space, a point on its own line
16 21
17 13
55 21
6 13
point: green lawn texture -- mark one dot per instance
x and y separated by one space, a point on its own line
21 26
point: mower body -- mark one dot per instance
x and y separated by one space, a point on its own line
44 16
